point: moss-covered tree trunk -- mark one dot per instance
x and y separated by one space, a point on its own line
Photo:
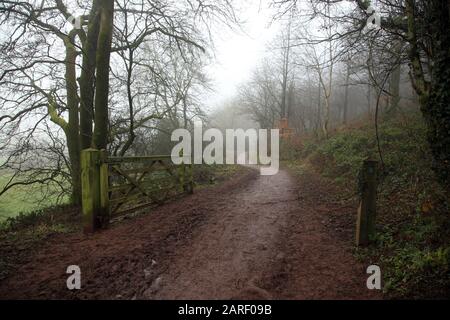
73 128
434 93
103 54
87 77
436 104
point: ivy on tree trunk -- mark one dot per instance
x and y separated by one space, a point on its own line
434 94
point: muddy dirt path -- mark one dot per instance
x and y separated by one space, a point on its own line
253 237
232 251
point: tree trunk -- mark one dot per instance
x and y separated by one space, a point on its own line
87 78
394 89
347 79
326 119
434 96
131 134
369 100
290 100
100 139
394 82
435 106
319 111
72 131
283 98
286 64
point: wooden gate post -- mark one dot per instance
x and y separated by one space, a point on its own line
365 225
190 184
182 172
104 193
186 175
94 189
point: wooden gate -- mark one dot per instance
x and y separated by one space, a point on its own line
112 186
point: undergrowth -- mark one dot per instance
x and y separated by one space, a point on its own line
412 243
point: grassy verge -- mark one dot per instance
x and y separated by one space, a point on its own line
207 175
27 232
24 199
412 245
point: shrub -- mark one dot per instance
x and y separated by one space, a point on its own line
412 244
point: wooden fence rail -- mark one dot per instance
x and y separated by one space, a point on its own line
116 185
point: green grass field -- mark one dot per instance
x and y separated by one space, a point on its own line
23 199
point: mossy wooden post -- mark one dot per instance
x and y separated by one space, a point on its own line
182 175
104 194
186 175
190 183
182 172
94 189
365 225
90 176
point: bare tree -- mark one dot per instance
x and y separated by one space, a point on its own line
422 26
47 44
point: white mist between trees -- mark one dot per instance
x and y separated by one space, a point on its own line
216 152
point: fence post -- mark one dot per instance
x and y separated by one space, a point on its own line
190 188
90 177
104 211
365 225
94 189
182 172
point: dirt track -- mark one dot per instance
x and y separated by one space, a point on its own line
252 237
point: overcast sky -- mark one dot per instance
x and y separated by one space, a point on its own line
238 52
